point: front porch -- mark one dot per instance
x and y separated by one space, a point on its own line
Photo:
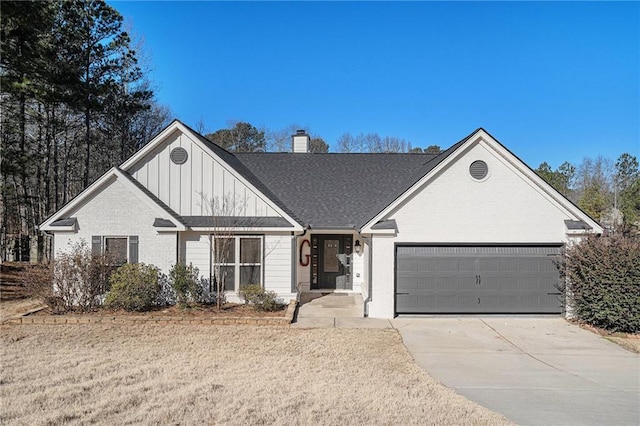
330 305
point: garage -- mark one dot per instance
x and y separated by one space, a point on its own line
477 279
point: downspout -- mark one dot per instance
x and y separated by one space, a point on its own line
294 263
369 298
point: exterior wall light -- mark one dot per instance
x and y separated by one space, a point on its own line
357 247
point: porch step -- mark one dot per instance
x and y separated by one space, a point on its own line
330 305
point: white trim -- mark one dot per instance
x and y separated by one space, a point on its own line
381 231
481 136
237 263
99 184
70 228
236 230
178 126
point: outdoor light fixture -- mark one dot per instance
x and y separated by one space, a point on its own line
357 246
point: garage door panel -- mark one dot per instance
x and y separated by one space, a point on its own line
477 279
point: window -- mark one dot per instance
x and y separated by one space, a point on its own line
123 249
116 247
238 260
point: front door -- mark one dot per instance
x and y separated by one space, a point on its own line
331 262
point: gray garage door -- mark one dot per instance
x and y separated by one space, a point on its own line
477 279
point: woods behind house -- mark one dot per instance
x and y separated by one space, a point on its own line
76 100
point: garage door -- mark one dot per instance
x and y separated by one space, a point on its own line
477 279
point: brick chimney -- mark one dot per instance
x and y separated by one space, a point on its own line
300 141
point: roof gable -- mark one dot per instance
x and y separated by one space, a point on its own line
457 151
162 210
210 175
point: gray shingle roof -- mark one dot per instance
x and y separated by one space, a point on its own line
67 221
340 190
236 221
163 223
336 190
576 224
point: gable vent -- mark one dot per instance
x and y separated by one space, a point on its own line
478 170
179 155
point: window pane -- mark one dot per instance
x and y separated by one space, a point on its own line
117 247
250 250
225 250
331 250
249 275
227 277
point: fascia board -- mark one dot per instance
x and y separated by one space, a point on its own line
244 229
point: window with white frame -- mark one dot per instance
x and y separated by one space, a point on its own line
237 260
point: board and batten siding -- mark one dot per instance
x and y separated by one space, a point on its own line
195 248
189 188
277 264
117 212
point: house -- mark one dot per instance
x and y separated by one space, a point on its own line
470 230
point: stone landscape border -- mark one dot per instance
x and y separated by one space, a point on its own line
27 318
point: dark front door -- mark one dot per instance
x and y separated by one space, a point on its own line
331 262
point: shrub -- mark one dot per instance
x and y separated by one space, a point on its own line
603 282
38 282
76 280
263 300
185 281
134 287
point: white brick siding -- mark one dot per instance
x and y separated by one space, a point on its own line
115 211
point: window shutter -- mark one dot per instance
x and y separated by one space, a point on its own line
96 245
133 249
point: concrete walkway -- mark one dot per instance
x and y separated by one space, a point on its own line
334 310
535 371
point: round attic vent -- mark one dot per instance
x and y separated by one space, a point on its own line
478 170
178 155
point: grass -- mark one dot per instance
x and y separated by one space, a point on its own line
173 374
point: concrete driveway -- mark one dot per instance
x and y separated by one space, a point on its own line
534 370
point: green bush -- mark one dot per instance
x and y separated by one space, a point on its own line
603 282
134 287
185 281
263 300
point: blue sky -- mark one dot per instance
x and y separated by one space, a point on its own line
552 81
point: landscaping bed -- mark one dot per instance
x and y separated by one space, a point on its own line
200 314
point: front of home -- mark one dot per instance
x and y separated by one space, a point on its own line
470 230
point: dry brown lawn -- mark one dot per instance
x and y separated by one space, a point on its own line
11 308
173 374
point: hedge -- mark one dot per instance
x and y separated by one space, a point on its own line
603 282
